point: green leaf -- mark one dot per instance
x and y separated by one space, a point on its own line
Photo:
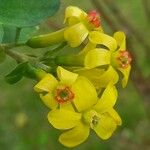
30 71
2 55
22 13
17 74
9 34
27 33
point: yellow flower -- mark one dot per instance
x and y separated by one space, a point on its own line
70 91
99 77
113 54
100 59
102 118
87 62
78 26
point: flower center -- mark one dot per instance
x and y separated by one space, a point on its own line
64 94
95 120
94 18
124 59
91 118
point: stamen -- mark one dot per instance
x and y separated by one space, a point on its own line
124 59
95 120
64 94
91 118
94 18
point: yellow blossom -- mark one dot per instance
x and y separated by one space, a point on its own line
102 118
78 25
113 54
69 91
101 58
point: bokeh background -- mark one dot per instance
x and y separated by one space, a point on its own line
23 122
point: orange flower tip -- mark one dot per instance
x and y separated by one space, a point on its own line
124 59
94 18
64 94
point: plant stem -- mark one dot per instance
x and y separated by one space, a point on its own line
16 55
55 50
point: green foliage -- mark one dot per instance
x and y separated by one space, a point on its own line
27 33
17 74
24 69
9 34
23 13
25 16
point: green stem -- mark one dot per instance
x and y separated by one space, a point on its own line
37 72
15 55
11 45
53 53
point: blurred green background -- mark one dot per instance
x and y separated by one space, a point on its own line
23 122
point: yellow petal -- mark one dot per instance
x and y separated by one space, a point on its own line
92 74
73 15
97 57
85 94
101 38
49 100
48 83
126 73
63 119
121 40
110 75
115 116
107 100
87 48
99 77
76 34
67 106
75 136
105 127
66 76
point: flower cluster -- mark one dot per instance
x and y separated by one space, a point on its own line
81 94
